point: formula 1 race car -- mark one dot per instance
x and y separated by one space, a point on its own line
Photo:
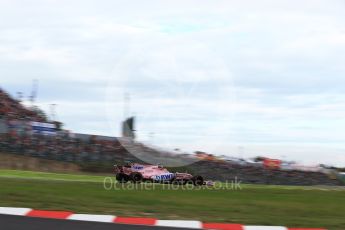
154 173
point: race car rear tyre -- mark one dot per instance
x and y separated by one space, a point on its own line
198 180
136 177
122 178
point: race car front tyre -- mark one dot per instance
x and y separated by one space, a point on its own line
122 178
198 180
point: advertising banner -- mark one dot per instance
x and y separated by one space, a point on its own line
43 128
272 163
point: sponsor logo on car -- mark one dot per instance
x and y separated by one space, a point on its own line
167 176
137 167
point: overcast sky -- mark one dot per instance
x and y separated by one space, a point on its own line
241 78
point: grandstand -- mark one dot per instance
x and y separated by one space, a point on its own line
98 153
12 109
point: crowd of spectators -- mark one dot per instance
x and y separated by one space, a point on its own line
62 147
257 174
11 109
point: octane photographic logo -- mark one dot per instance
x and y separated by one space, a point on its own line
109 183
181 95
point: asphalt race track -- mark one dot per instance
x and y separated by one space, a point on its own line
9 222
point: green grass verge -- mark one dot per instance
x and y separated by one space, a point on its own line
18 174
259 205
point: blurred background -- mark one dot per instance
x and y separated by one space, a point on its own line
247 90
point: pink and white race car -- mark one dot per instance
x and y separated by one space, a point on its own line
155 173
